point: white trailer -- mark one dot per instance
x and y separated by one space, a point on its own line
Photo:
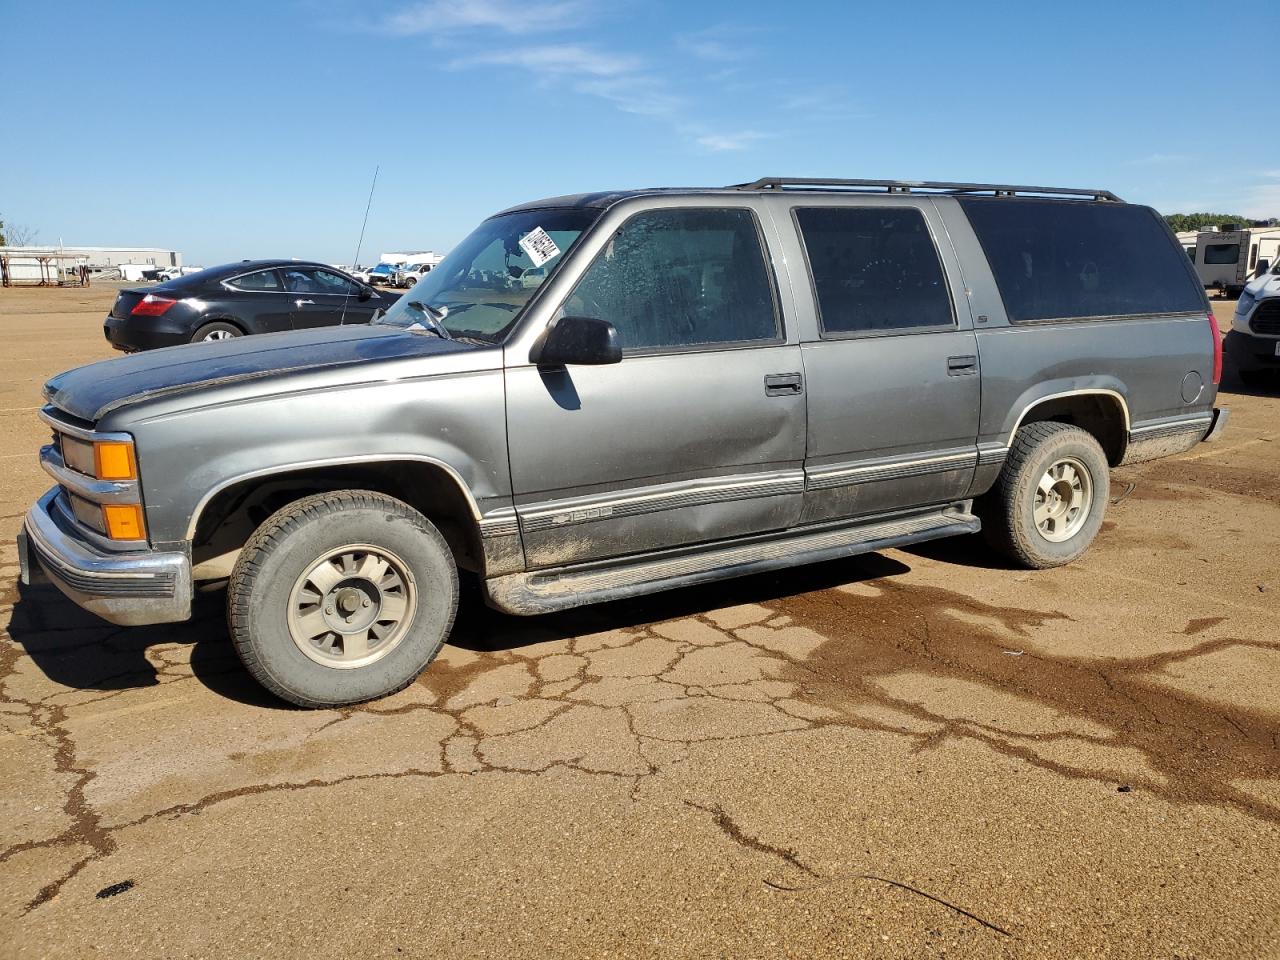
1229 257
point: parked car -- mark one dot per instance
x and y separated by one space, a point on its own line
171 273
382 273
705 383
254 296
1254 339
406 275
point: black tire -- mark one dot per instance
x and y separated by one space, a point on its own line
1008 510
218 330
291 541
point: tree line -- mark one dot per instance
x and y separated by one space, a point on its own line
1180 222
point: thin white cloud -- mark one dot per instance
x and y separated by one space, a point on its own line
507 16
722 142
623 79
1158 160
723 44
558 59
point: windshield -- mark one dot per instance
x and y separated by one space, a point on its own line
479 289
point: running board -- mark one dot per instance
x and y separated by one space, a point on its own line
544 591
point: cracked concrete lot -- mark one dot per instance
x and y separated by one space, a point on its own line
909 754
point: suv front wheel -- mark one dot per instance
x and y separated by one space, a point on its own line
1050 498
341 597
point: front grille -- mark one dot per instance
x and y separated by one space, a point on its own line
1266 317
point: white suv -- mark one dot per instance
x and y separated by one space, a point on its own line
408 274
1254 340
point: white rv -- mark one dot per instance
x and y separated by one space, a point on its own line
1228 257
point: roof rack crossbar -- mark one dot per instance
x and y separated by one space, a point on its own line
932 186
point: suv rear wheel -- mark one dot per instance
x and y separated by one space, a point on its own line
341 597
1050 498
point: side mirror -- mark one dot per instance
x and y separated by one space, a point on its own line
577 340
366 293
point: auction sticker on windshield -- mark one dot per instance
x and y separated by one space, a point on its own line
539 246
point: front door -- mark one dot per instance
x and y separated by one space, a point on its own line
322 298
698 434
893 377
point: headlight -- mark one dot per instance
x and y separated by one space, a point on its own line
101 459
1245 303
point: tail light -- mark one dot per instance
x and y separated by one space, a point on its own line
1217 348
152 306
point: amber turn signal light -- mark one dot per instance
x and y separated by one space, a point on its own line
123 521
114 460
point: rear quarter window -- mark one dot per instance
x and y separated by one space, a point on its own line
1065 260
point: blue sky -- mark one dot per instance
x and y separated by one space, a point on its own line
236 129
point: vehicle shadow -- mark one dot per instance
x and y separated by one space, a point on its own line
75 649
481 629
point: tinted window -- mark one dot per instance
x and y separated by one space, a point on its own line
874 268
313 280
330 282
1222 253
262 280
676 278
1057 259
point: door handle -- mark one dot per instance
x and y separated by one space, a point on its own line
299 303
783 385
962 366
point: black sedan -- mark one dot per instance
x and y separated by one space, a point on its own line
254 296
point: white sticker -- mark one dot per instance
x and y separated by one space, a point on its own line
539 246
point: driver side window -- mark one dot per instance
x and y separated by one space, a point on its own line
681 278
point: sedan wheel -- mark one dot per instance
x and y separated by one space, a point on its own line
219 330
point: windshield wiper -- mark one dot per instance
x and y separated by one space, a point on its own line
434 318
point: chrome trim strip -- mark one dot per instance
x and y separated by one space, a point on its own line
1179 425
1090 391
840 475
98 491
992 455
546 590
671 496
499 523
330 462
48 413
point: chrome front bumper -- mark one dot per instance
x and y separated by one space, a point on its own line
130 589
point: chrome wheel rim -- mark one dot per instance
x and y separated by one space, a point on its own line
353 606
218 335
1064 497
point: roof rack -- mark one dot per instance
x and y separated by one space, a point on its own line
910 186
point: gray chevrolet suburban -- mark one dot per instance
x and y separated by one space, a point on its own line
604 395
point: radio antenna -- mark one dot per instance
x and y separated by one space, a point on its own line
360 242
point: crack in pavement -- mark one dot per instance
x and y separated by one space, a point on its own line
846 669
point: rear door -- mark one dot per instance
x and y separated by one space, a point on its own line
698 434
893 374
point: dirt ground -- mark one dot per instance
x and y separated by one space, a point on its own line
910 754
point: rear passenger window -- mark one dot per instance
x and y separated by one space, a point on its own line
1065 260
262 280
875 269
681 278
